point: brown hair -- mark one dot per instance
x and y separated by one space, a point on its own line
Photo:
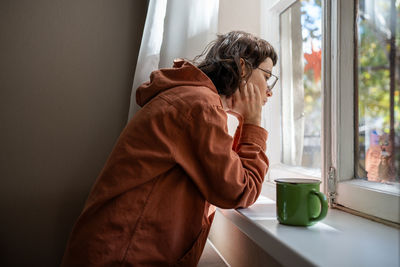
222 62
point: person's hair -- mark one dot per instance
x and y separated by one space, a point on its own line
222 61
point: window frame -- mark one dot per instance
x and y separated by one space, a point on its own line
362 196
338 123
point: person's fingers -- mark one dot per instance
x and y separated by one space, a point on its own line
249 92
244 92
242 84
257 94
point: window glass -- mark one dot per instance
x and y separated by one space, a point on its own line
378 31
301 84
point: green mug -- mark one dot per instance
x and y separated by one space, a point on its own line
299 201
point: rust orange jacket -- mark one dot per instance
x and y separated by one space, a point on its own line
150 205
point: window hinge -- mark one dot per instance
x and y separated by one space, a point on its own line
332 185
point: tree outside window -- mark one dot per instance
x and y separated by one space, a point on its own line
378 90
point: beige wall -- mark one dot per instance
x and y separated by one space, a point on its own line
239 15
66 70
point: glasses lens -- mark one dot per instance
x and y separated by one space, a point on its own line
271 82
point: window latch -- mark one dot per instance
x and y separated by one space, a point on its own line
331 186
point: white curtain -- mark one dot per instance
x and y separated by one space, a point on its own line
173 29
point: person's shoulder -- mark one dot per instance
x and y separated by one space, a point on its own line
188 97
193 102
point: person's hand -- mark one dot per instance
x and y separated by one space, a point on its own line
247 102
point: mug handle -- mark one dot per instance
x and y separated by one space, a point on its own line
324 206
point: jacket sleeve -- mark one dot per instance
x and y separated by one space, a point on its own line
227 178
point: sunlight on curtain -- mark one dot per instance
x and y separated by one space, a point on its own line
149 53
173 29
189 26
206 20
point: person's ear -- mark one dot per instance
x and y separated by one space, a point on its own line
243 67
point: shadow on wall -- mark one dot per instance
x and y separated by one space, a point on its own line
66 74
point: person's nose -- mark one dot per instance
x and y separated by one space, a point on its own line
269 92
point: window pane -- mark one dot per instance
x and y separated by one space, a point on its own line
378 90
301 84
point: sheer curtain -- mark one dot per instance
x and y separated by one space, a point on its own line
173 29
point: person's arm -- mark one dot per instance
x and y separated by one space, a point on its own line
238 132
246 101
226 178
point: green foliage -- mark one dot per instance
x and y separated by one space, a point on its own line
374 75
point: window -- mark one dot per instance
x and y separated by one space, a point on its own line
357 99
355 107
378 91
301 84
293 114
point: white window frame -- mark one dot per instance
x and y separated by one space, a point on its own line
338 114
363 196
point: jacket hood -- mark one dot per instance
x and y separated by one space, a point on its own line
183 73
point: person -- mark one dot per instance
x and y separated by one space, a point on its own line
154 201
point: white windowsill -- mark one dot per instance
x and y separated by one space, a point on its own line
280 170
392 188
378 199
341 239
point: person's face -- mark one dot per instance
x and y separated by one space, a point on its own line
259 77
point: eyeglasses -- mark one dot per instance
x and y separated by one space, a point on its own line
271 80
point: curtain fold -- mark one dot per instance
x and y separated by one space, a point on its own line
149 52
173 29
